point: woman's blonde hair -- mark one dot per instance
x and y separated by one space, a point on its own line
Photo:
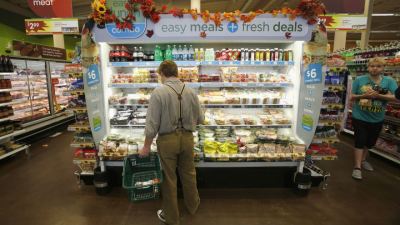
377 60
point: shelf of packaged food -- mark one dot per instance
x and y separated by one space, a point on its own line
15 133
79 127
248 126
6 104
202 85
390 136
283 106
6 90
217 126
6 118
332 106
8 74
325 140
328 123
78 109
323 157
348 131
382 153
82 145
29 109
333 87
392 119
75 92
38 97
204 63
203 164
75 75
14 151
62 85
20 88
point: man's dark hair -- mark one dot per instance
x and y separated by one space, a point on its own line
168 68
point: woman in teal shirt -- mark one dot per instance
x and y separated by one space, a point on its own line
370 94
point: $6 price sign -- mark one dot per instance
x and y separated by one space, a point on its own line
313 74
93 75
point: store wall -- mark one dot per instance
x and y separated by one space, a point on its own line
14 29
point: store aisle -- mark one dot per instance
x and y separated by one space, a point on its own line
43 191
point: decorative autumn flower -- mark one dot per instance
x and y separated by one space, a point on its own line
155 17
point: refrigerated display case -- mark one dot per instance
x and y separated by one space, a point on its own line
35 84
59 86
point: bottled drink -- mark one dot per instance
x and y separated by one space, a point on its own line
158 54
2 64
252 55
191 53
201 54
111 55
185 53
175 53
117 54
135 54
257 54
124 55
290 55
196 54
180 53
140 54
246 55
168 53
267 55
281 57
10 65
276 54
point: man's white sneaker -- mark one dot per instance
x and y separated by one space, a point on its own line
357 174
160 215
367 166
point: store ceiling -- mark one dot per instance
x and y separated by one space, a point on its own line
383 27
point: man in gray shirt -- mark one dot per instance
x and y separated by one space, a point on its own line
173 114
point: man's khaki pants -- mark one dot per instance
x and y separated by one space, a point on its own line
176 151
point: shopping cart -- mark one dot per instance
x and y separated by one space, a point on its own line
142 177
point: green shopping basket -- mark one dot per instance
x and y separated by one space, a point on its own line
142 177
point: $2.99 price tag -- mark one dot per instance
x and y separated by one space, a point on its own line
313 74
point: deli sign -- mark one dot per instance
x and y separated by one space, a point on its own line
51 8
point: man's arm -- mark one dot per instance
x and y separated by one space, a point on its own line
153 120
200 111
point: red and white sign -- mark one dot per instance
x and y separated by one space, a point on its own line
51 8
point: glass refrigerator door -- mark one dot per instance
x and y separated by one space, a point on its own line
60 83
20 92
38 89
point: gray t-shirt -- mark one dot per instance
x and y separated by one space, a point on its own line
163 112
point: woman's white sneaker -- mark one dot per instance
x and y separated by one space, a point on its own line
367 166
357 174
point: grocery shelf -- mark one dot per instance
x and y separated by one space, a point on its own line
325 140
15 133
78 109
381 152
249 126
76 92
6 90
6 118
323 157
203 85
79 127
392 119
328 123
204 63
348 131
202 164
217 126
8 74
389 136
6 104
14 151
82 145
213 106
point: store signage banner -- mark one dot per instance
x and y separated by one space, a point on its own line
169 28
344 22
94 93
311 90
51 26
51 8
27 49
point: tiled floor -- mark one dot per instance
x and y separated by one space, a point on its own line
43 191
